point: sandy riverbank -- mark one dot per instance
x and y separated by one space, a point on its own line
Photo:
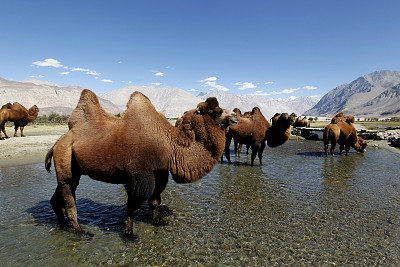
29 149
39 139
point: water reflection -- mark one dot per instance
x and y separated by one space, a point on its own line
298 208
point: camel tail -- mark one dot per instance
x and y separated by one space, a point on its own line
47 161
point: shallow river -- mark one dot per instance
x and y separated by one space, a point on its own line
298 208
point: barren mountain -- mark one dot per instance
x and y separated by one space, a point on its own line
372 95
49 97
173 102
267 106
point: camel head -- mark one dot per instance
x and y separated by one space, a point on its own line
286 120
8 106
34 109
221 116
349 119
238 112
360 145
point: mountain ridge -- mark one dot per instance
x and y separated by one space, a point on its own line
357 97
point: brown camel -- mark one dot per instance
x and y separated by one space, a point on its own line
280 132
254 131
275 118
342 131
139 149
18 114
331 134
238 146
301 122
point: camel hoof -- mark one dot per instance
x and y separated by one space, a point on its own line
129 234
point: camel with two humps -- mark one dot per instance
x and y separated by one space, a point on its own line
341 131
18 114
238 146
257 131
138 149
301 122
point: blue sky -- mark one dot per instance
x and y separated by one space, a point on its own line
279 49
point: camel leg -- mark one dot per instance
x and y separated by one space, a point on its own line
235 148
161 180
64 202
254 149
140 188
16 126
341 148
68 175
239 149
261 151
3 129
326 146
347 148
22 131
333 145
227 151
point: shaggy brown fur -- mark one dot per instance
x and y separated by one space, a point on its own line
238 146
139 149
279 133
249 131
275 118
301 122
18 114
255 132
331 134
347 136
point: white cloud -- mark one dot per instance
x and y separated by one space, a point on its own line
209 79
93 72
156 84
269 82
48 62
289 91
160 74
193 90
308 87
80 69
106 81
64 73
246 85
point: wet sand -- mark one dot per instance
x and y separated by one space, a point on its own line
29 149
40 138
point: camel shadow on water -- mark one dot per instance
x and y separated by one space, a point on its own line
107 217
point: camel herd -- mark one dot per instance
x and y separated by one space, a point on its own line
141 147
18 114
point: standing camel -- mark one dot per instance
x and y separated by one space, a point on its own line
255 131
139 149
342 131
18 114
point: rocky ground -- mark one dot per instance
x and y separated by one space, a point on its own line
38 139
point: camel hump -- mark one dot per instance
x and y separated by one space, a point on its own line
18 106
87 109
136 97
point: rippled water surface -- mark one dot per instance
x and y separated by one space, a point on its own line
298 208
